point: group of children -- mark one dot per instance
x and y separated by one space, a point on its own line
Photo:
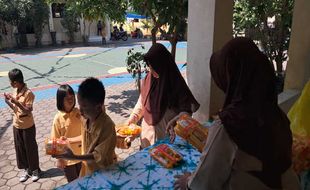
89 131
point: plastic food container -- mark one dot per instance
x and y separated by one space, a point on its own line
192 131
55 146
165 155
125 134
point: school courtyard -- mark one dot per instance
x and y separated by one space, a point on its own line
43 70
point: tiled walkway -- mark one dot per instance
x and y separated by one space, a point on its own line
120 99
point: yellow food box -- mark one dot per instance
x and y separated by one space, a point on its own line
192 131
55 146
165 155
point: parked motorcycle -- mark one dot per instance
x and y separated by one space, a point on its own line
117 35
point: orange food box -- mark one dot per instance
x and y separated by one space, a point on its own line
55 146
165 155
128 130
192 131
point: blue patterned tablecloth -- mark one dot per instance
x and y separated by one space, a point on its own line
140 171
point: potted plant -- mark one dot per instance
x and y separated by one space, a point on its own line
136 65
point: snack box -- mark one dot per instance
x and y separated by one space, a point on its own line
165 155
55 146
128 130
123 134
192 131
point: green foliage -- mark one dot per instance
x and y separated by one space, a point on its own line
250 18
165 12
96 9
14 12
70 22
136 64
40 15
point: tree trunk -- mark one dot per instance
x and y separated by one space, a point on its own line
153 32
173 42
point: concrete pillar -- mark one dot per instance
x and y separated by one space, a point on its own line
107 29
209 28
50 20
298 68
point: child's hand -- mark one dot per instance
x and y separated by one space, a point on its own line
61 164
63 138
7 96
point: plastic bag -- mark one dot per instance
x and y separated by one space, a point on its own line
299 114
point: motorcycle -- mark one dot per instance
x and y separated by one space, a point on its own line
117 35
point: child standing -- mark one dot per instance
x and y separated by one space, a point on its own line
21 102
67 124
98 135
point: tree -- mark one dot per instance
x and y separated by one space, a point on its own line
251 18
97 9
39 14
165 12
70 22
14 12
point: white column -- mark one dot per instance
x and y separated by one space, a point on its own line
298 67
50 20
107 29
209 28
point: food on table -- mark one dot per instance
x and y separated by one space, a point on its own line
165 155
192 131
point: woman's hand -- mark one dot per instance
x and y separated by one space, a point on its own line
61 164
171 124
68 155
181 181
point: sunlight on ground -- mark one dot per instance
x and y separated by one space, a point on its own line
117 70
4 73
72 56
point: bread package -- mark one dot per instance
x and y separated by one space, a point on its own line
165 155
55 146
192 131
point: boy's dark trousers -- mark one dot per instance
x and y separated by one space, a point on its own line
72 172
26 148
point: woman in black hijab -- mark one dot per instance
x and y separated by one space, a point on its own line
164 95
251 141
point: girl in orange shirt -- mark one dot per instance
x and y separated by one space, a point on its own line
67 124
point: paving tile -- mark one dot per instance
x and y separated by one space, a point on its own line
48 184
10 174
2 182
33 186
13 181
19 186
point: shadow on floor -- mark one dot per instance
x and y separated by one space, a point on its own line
125 101
3 128
52 172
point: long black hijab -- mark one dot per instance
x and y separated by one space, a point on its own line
250 113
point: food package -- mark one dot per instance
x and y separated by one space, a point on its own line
300 153
192 131
165 155
128 130
55 146
125 134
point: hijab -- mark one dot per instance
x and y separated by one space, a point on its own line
169 91
250 113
